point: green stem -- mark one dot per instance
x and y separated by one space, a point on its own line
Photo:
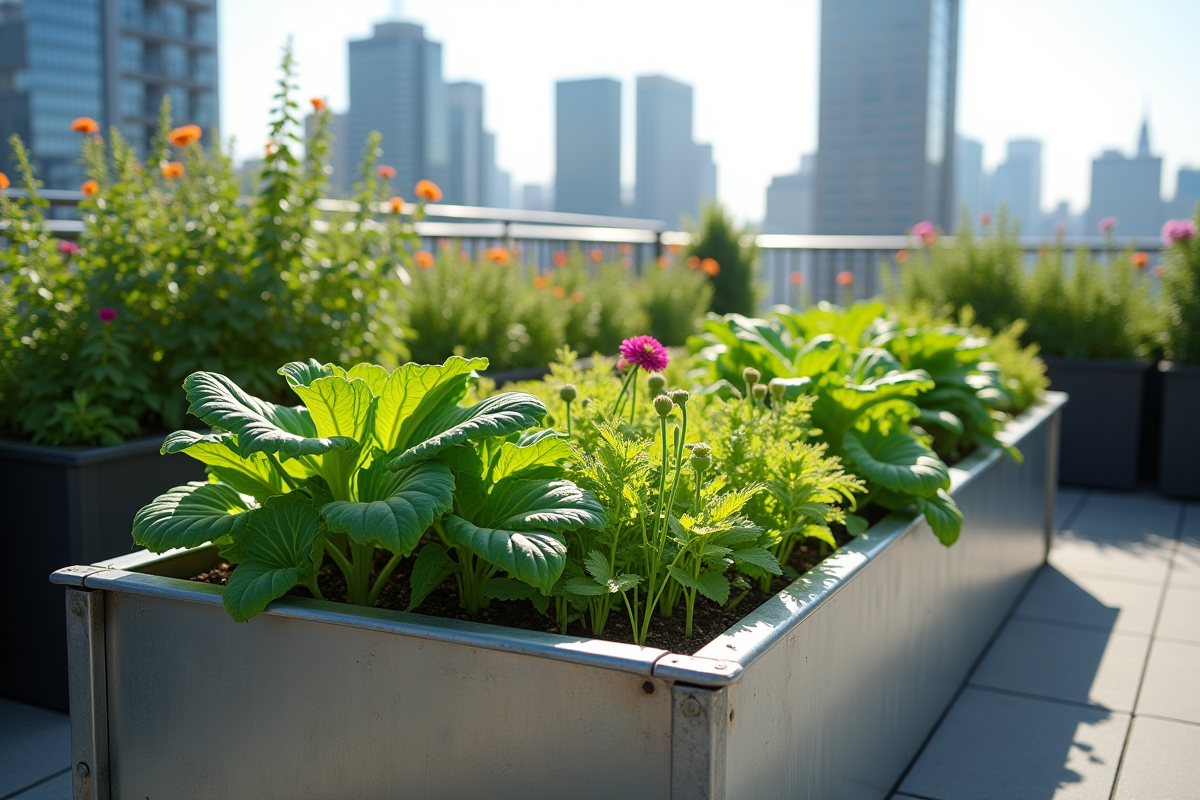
283 473
633 396
621 397
568 418
315 589
382 579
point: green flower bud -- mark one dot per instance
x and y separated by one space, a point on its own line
701 450
663 405
568 392
656 383
587 401
760 391
778 388
700 464
680 397
750 375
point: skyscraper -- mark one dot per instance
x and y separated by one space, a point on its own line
112 60
587 146
667 180
342 176
968 178
466 183
790 200
887 108
396 88
706 175
1187 193
1129 190
1017 185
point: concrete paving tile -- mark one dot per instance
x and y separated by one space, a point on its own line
1160 761
1067 503
994 746
1126 518
1180 614
1185 568
34 744
1147 562
1171 687
1191 523
1109 604
57 788
1060 663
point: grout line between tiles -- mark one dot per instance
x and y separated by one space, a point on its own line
16 795
1161 718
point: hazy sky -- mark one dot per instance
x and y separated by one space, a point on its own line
1075 73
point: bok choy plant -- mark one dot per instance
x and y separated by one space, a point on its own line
365 463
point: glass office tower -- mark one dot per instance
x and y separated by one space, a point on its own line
112 60
887 110
587 146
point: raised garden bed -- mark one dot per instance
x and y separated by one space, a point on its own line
1178 465
1102 426
314 699
79 501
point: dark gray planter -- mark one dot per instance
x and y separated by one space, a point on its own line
1102 424
65 505
1179 445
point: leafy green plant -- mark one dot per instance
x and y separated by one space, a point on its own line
1181 292
734 253
362 465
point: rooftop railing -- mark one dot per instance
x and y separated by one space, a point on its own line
794 269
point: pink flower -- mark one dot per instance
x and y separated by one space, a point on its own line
1107 225
1178 230
68 248
1060 229
107 314
985 218
645 352
924 231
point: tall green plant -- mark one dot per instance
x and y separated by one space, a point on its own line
735 253
1181 291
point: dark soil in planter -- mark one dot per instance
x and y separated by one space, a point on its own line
709 619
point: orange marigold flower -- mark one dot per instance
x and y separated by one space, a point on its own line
463 257
710 267
424 259
693 262
674 249
624 247
845 278
661 262
428 190
172 170
1140 259
84 125
184 135
541 282
576 296
385 172
498 256
1158 271
89 188
396 205
560 258
559 292
4 181
596 255
901 256
318 104
796 278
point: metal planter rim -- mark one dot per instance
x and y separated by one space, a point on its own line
719 663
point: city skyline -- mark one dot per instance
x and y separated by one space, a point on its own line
1075 96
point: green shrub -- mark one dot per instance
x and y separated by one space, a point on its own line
1181 296
735 254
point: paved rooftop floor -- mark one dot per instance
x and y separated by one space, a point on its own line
1091 689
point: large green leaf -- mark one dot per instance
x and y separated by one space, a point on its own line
711 584
539 504
537 460
252 475
339 407
537 558
415 391
303 373
432 566
942 514
279 548
394 508
897 461
375 376
498 415
261 427
188 516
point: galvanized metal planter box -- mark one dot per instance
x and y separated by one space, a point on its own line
79 501
1178 467
826 691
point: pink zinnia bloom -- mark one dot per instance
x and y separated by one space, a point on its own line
645 352
1178 230
924 231
985 218
107 314
1107 225
68 248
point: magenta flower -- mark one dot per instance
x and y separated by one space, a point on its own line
985 218
924 231
645 352
68 248
1107 225
107 314
1178 230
